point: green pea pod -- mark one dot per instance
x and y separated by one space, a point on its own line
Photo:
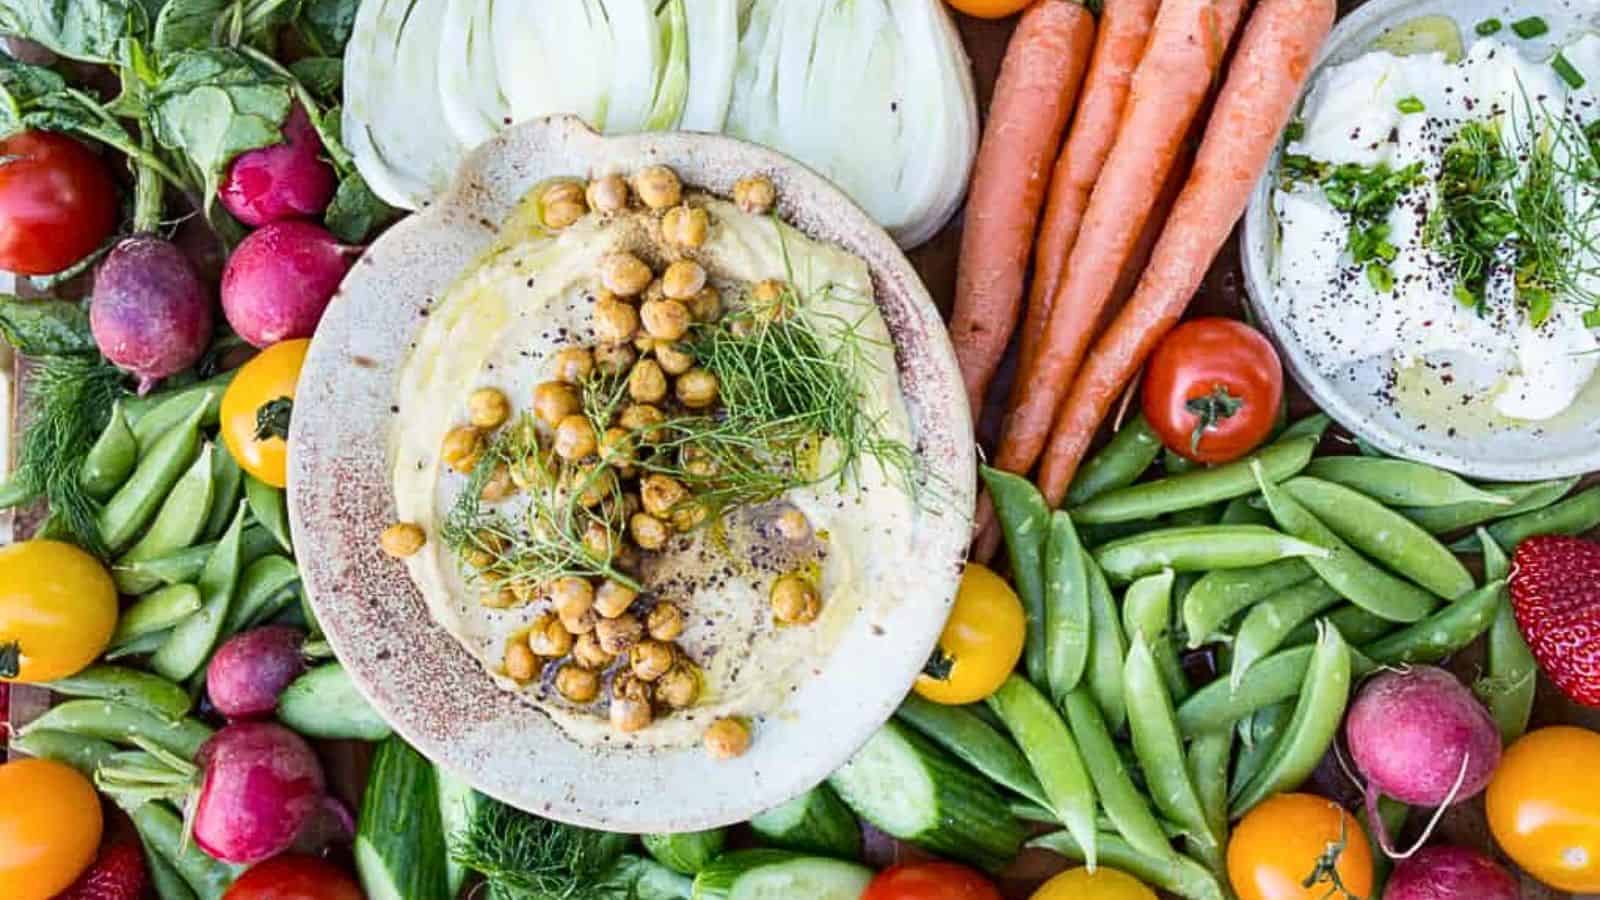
1269 622
182 518
185 565
163 832
1025 519
119 723
1197 488
112 458
1443 633
1107 648
1066 608
1313 426
1217 705
1261 732
227 483
1147 610
265 588
1209 757
1127 456
1574 515
79 751
191 642
156 414
1127 808
1177 875
1512 675
1240 511
1054 756
268 507
1383 535
1173 464
1524 497
1358 626
1346 571
137 689
1219 596
143 645
1317 714
1210 514
155 612
1158 746
1099 535
1201 549
136 502
164 878
970 739
1399 482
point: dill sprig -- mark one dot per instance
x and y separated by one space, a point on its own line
1473 220
524 857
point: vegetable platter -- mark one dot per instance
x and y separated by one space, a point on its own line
1209 644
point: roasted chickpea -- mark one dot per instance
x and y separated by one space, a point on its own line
575 438
658 187
660 493
523 591
488 408
727 739
578 684
683 279
689 516
595 485
706 306
617 636
598 541
697 389
665 320
624 274
571 595
504 598
649 532
402 539
615 359
478 558
534 470
755 194
653 292
548 637
674 359
580 624
587 652
647 383
650 660
520 663
795 600
792 525
698 463
678 688
628 716
563 204
499 486
463 447
554 401
685 226
615 321
613 598
608 193
642 419
617 448
574 365
665 622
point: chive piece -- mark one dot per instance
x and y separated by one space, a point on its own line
1295 131
1381 279
1539 304
1490 27
1411 105
1591 318
1464 295
1531 27
1568 72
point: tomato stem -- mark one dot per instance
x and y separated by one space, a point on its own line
1210 410
940 665
272 419
10 659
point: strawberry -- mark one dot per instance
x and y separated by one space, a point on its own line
1555 592
117 875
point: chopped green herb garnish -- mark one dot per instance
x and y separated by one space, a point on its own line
1490 27
1380 277
1472 219
1411 106
1295 131
1530 28
1366 194
1568 72
1591 318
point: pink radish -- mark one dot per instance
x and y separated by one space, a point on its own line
1450 873
150 314
285 181
262 785
248 672
280 280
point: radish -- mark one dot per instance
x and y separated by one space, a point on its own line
262 785
150 314
248 672
1450 873
1420 736
285 181
280 280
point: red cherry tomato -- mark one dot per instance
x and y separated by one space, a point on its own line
57 203
1213 390
294 877
930 881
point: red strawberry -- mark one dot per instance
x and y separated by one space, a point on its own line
117 875
1555 591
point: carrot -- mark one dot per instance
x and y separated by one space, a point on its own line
1264 82
1187 43
1124 32
1033 99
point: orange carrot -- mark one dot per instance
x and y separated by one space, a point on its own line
1187 43
1124 32
1033 99
1275 57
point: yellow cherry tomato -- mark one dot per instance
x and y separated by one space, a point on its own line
1544 807
1286 840
981 642
49 828
990 9
1102 884
58 607
256 411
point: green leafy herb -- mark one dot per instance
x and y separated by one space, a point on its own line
45 327
1473 219
356 212
1530 28
212 105
87 30
1366 195
1490 27
1295 131
323 76
326 25
1410 106
524 857
1568 72
1381 277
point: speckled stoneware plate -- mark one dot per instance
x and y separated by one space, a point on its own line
1465 438
435 694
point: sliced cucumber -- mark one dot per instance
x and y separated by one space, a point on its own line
814 822
689 852
323 703
780 875
399 847
458 803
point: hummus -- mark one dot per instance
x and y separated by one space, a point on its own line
501 325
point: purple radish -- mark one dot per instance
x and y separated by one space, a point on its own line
262 786
280 280
150 314
1420 736
1450 873
285 181
249 671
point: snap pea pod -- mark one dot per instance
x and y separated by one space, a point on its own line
1525 498
79 751
191 642
155 612
1199 515
1270 621
182 517
1358 626
227 481
1147 610
120 723
1312 729
154 415
1107 648
1209 757
1383 534
1028 811
1158 746
268 507
185 565
143 645
1219 596
1175 874
112 457
1262 731
1346 571
1443 633
163 832
1100 535
1054 756
973 741
1240 511
136 502
1512 675
1066 608
140 690
1201 549
1312 426
1574 515
166 881
1173 464
1128 454
1272 680
1399 482
264 590
1197 488
1127 808
1025 520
